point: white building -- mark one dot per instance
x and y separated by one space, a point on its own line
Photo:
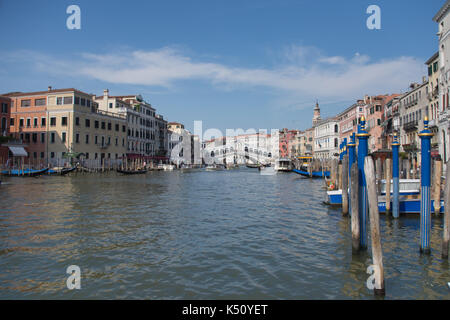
443 20
326 138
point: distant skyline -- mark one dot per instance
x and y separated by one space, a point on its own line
231 64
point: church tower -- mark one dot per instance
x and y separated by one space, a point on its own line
316 117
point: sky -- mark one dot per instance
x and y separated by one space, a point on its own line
231 64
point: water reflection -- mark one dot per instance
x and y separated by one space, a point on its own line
224 234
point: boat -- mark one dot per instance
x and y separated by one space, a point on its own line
61 171
253 165
267 170
283 165
314 174
140 171
166 167
24 172
213 167
407 187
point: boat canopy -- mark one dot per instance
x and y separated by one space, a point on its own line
18 151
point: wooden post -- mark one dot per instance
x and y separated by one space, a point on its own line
437 186
374 216
378 169
339 176
408 169
354 190
388 178
446 235
344 179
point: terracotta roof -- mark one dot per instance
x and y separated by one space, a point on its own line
35 93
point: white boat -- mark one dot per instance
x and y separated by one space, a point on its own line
166 167
267 170
284 165
213 167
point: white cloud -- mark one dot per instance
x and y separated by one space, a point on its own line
305 72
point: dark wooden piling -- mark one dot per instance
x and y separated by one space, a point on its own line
377 254
446 234
354 190
437 186
344 180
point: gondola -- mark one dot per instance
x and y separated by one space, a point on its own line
131 171
24 173
62 171
253 166
314 174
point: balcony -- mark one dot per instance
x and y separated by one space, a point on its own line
410 126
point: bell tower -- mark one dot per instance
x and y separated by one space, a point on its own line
316 117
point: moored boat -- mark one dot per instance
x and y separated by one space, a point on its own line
314 174
24 172
61 171
141 171
283 165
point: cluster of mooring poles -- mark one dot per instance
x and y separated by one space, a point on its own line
358 178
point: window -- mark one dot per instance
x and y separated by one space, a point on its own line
42 137
11 122
117 141
52 154
40 102
124 129
28 122
53 121
59 100
96 140
83 101
21 122
68 100
43 121
77 138
34 138
25 103
103 125
42 155
435 66
52 138
96 124
430 70
64 121
117 127
35 122
109 125
88 103
87 139
87 155
87 123
63 137
77 100
110 105
77 121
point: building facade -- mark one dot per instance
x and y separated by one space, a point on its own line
326 139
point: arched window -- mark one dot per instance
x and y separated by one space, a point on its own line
336 128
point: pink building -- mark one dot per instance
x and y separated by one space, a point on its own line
349 119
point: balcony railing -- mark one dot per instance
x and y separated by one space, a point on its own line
410 126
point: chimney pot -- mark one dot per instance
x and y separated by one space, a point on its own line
49 88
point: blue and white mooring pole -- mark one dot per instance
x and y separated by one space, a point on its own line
425 177
395 177
363 150
351 159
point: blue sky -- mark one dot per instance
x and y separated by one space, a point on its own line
232 64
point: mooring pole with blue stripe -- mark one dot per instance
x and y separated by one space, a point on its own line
351 159
425 177
395 177
363 150
341 154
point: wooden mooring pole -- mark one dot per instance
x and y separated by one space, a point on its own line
437 186
344 179
354 193
446 234
377 254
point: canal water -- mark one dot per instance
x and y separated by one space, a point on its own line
199 235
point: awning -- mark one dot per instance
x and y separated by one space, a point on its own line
18 151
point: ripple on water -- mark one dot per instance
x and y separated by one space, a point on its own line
203 235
